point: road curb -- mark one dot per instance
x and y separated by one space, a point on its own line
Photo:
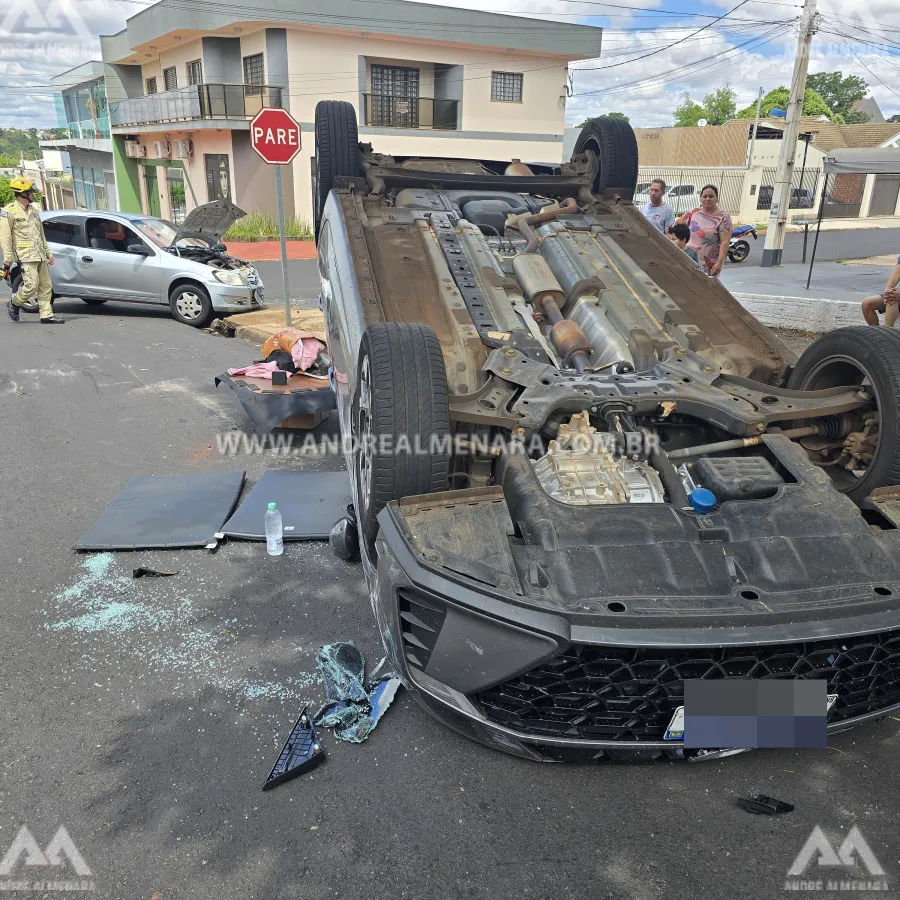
801 313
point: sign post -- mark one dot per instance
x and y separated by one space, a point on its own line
275 136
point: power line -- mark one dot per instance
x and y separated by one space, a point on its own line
770 36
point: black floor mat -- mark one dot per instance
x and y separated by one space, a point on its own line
310 504
162 512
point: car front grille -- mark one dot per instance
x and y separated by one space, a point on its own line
620 694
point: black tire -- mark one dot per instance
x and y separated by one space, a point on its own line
190 305
615 145
401 392
93 301
337 150
848 356
739 252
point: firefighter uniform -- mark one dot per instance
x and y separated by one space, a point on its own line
22 240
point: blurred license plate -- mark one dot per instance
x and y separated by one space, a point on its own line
675 731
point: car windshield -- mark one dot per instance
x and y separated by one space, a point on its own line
162 233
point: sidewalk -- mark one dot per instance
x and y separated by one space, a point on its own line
778 297
270 251
847 224
258 326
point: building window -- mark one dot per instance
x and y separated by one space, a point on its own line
394 98
506 87
195 72
254 72
151 86
170 78
218 178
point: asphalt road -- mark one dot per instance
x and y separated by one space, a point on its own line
145 715
304 280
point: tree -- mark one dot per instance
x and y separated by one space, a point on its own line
717 108
838 93
894 118
688 113
855 118
813 104
611 115
720 105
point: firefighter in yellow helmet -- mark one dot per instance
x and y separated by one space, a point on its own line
22 241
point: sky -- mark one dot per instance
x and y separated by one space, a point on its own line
642 72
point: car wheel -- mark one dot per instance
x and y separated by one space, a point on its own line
614 146
739 252
870 358
400 410
337 150
93 301
190 304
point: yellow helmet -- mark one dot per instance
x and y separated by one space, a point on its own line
20 185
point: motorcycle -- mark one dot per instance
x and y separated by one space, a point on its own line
739 248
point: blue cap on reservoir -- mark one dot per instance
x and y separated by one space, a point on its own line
702 501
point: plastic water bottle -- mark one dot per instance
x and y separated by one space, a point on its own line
274 531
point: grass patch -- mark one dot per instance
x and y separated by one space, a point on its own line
258 225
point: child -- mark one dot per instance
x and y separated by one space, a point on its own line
680 235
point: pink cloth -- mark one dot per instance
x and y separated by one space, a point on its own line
706 235
305 352
258 370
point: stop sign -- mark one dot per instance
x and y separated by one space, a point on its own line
275 136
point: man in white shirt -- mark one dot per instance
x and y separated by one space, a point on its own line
660 214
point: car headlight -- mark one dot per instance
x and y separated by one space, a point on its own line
233 278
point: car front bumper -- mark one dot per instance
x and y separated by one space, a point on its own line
234 298
550 654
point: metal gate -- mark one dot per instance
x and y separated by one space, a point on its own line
884 195
395 92
803 188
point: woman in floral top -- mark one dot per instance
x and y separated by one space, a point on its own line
711 229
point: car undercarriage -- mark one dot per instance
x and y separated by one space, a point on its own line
582 472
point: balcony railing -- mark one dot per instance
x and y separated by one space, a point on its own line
86 129
411 112
197 101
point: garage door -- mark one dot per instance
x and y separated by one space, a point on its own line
884 195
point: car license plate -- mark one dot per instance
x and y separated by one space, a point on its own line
675 731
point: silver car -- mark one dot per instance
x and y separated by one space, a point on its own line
102 256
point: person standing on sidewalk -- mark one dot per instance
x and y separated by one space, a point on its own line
660 214
22 240
887 303
711 229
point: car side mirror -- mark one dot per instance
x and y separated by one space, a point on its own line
139 249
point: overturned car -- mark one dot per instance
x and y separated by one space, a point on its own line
582 472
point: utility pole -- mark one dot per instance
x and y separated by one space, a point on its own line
759 100
781 196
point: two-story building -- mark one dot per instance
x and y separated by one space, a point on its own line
183 86
82 109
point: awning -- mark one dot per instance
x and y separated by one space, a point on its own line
878 161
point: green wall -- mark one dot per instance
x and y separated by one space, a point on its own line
127 177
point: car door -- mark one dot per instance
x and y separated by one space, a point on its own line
109 270
65 237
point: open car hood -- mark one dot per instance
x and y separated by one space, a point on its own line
209 222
